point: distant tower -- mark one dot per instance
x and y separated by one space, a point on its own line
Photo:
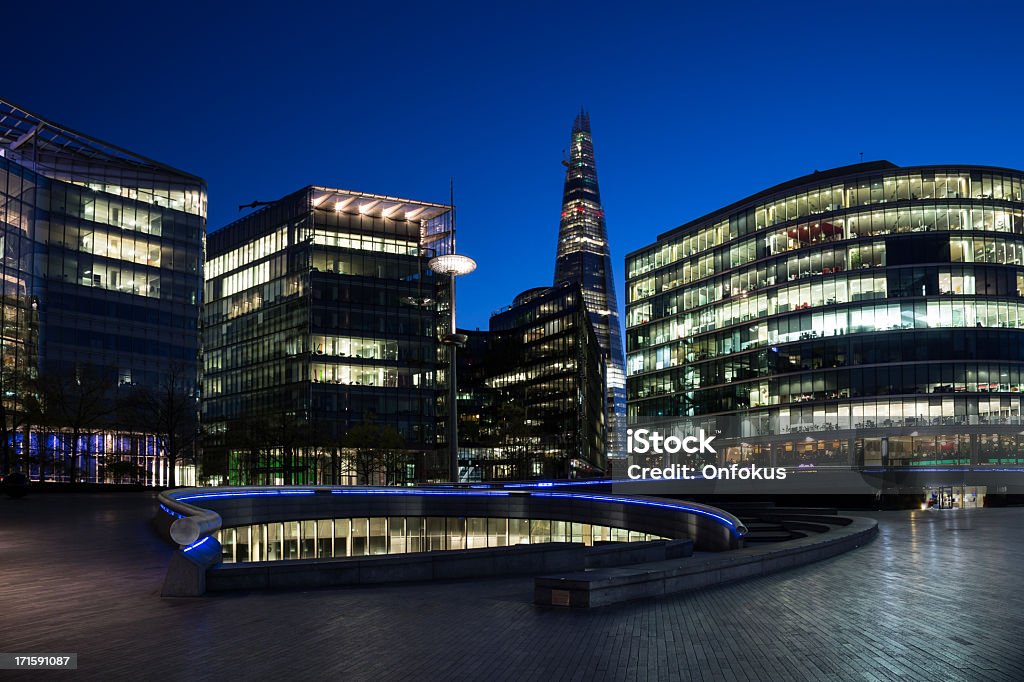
583 256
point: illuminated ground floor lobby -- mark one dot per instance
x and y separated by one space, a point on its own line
374 536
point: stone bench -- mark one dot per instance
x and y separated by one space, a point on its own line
605 586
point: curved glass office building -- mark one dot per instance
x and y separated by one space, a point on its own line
101 260
867 316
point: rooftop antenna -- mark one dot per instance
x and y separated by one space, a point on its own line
862 157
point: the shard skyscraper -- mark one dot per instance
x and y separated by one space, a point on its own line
583 256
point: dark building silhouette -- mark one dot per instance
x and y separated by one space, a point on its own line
532 391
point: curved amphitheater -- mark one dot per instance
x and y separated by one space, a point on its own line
585 548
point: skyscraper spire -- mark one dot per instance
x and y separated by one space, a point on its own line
584 257
582 122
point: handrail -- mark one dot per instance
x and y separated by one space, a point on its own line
199 521
193 523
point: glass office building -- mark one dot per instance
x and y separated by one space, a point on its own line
532 391
867 316
322 315
102 253
584 258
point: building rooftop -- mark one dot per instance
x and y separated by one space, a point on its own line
817 177
45 145
377 205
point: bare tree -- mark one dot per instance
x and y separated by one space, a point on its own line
514 439
375 452
19 403
170 409
247 438
76 404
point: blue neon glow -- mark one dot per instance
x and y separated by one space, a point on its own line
563 484
170 512
464 492
247 493
646 503
197 544
421 491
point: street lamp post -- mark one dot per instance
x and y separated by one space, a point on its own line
454 266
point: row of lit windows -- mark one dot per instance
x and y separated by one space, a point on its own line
902 450
846 383
948 377
902 282
829 260
188 200
365 242
89 271
939 347
217 309
863 192
122 245
852 320
553 367
849 288
272 345
334 538
251 251
876 223
365 375
248 278
979 250
126 248
351 347
549 328
842 415
68 201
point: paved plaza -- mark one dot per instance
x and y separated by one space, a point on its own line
936 597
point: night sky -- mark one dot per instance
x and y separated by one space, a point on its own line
693 105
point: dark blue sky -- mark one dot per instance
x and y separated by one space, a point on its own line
693 105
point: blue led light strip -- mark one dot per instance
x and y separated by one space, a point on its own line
198 544
247 493
646 503
171 512
456 492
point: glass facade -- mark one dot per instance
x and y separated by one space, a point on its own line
102 254
868 315
584 258
375 536
531 392
321 315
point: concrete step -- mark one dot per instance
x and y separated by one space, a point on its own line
772 536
